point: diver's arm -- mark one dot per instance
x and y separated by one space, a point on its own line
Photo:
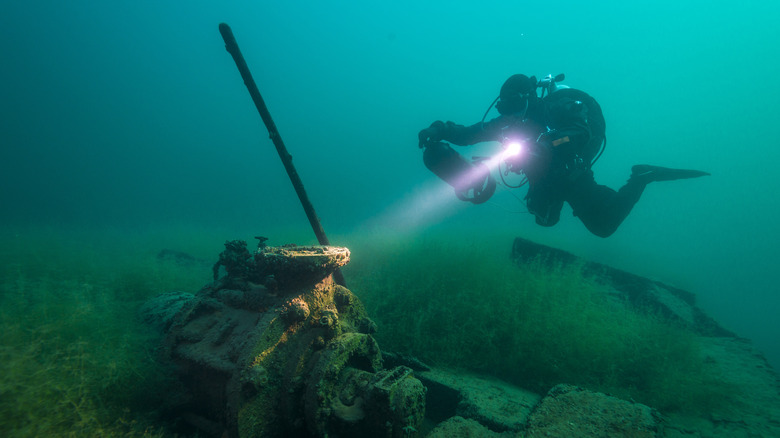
477 133
461 135
451 132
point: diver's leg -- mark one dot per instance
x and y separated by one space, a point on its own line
544 204
600 208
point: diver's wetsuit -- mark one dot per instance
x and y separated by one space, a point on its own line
560 172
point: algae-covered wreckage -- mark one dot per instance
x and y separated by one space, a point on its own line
278 346
274 347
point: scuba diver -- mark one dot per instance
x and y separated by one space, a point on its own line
551 140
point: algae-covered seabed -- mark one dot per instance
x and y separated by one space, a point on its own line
74 360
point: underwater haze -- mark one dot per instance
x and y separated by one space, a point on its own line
124 117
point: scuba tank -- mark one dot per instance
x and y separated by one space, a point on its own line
472 181
558 94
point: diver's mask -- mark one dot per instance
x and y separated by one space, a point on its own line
515 95
515 104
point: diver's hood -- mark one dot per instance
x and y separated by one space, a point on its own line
515 94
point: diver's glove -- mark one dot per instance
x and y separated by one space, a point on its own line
431 134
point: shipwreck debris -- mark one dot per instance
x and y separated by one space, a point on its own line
274 347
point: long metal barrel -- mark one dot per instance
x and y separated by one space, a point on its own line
232 47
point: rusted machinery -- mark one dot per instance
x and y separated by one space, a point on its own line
275 348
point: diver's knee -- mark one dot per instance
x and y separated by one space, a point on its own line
604 233
547 221
602 230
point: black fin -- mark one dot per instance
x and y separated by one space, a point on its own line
646 173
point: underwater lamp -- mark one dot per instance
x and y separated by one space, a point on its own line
513 148
472 179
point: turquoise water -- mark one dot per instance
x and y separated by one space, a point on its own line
132 116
